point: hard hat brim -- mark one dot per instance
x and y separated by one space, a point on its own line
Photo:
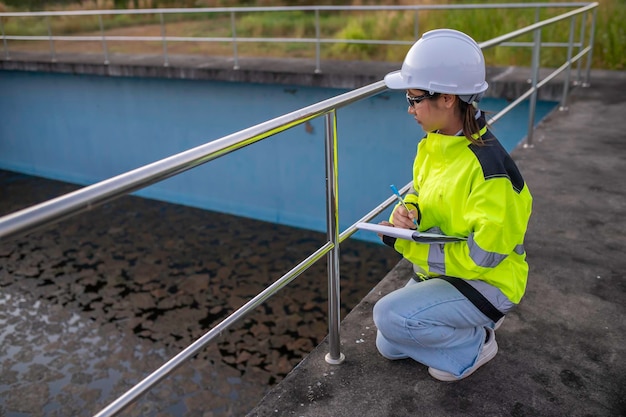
395 81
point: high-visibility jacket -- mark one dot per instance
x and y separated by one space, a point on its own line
462 189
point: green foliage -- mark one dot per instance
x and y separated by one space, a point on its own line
482 24
610 44
296 24
355 30
38 4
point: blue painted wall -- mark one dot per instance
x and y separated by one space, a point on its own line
84 129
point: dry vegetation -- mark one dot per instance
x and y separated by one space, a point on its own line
609 46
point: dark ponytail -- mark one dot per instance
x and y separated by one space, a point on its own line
471 128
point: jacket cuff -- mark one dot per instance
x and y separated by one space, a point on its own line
417 208
389 241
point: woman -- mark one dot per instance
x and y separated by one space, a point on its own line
464 184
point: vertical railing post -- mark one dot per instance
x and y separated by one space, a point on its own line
334 356
317 43
105 49
416 26
234 33
4 41
583 25
568 71
166 61
52 51
533 97
590 54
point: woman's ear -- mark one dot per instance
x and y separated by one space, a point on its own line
449 100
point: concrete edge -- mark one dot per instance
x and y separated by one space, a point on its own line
505 82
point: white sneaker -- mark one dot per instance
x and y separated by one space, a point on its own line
499 323
488 352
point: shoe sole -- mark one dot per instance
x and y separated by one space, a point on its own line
448 377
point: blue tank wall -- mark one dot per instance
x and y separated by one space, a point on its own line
84 129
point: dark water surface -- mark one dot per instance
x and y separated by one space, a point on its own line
92 305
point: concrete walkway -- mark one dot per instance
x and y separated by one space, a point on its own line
562 351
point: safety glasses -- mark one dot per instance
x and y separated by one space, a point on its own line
414 100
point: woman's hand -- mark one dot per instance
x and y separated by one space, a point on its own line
384 223
403 218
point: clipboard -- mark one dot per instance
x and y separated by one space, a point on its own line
408 234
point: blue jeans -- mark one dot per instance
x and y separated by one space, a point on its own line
433 323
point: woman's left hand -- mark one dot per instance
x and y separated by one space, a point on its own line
384 223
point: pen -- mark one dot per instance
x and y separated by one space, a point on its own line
397 193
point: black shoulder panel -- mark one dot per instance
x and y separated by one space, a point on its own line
496 162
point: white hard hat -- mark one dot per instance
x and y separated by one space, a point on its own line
443 61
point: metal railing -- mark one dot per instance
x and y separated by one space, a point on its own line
235 40
52 211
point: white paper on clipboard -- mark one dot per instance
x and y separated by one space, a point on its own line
408 234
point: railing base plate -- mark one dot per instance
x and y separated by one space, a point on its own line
332 361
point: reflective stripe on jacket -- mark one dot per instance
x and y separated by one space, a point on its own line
477 192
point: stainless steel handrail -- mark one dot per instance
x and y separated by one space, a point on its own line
47 213
234 39
52 211
536 30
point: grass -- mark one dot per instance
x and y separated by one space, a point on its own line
482 24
